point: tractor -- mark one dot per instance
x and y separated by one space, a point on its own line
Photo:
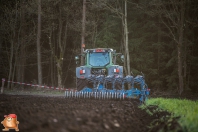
101 77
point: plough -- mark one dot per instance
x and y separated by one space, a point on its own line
101 92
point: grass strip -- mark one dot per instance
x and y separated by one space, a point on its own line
187 110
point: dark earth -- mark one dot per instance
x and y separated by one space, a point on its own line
58 114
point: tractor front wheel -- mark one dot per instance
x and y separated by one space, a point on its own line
81 83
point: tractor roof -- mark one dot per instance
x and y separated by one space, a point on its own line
99 50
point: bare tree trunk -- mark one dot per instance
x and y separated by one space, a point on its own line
83 30
51 60
53 50
59 60
22 41
10 63
61 41
94 35
188 77
124 45
125 64
180 70
126 40
52 70
23 45
38 44
12 39
18 55
185 67
22 61
59 70
158 51
179 48
13 74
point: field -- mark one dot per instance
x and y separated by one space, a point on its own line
184 109
39 113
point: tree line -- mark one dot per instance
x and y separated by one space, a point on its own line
158 38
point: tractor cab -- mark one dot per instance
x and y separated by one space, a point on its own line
100 57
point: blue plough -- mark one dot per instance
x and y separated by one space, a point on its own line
101 92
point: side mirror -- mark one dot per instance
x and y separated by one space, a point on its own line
77 59
122 58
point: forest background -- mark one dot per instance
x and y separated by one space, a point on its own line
162 39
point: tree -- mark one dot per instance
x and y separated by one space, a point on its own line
9 28
38 44
173 19
57 32
126 39
117 8
83 30
20 50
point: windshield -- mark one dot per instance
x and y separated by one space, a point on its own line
99 58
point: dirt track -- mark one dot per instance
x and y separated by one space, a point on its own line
57 114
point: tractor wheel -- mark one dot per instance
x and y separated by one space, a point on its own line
80 83
118 86
90 85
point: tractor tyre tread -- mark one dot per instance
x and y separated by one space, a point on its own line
81 83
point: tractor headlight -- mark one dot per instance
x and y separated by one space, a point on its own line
116 70
82 71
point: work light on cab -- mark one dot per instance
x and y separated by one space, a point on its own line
99 50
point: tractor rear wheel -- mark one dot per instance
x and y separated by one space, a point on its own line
81 83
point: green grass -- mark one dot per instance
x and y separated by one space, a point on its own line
187 110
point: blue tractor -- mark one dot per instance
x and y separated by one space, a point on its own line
100 77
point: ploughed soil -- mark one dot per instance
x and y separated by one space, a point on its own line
58 114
